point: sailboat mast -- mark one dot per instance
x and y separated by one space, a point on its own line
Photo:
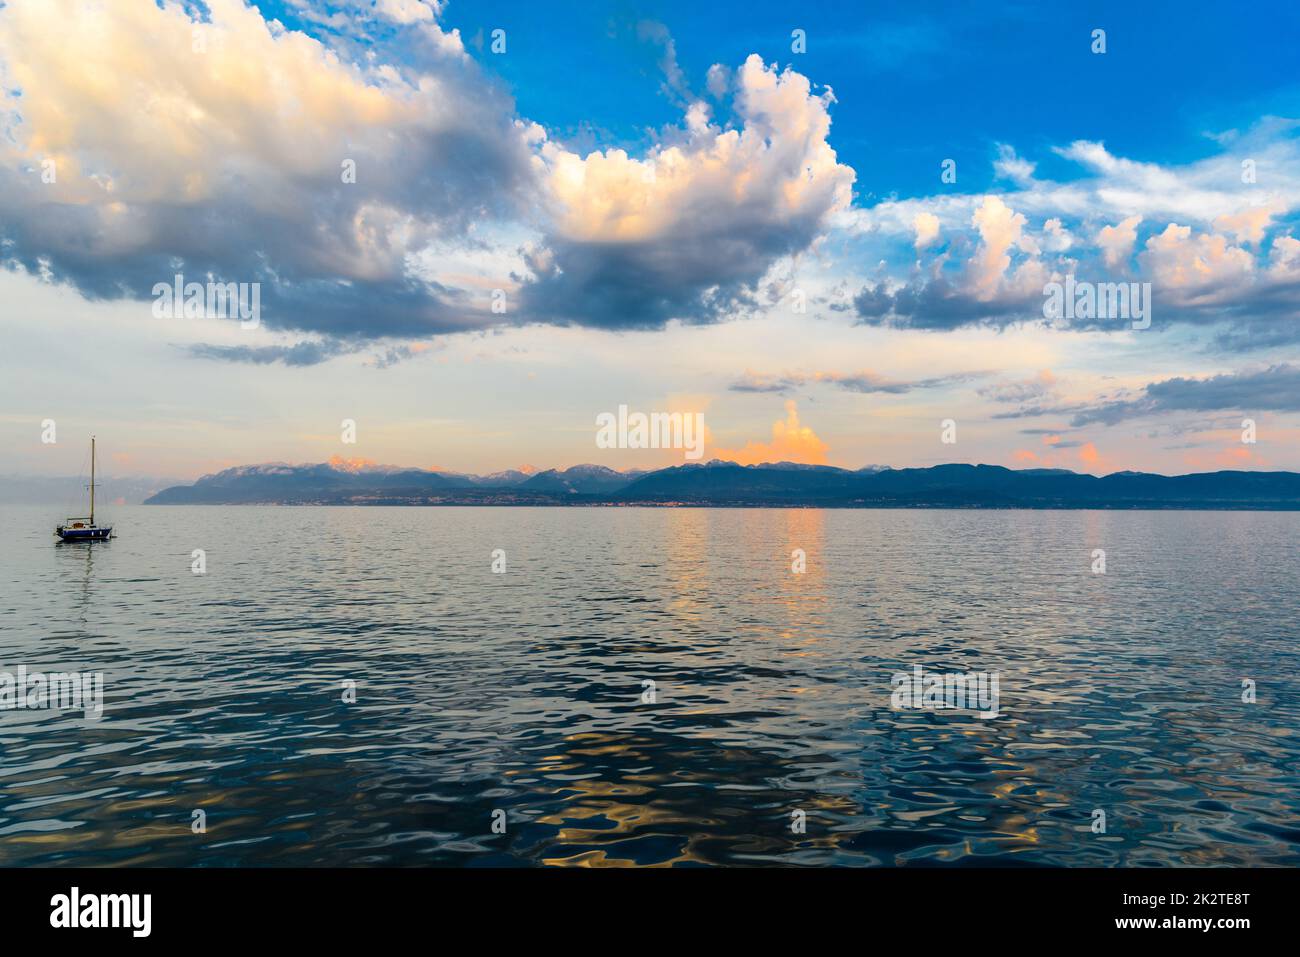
92 481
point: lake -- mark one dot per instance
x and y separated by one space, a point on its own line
358 686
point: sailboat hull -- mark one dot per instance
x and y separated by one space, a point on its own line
84 534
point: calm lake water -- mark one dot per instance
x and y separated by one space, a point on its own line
523 692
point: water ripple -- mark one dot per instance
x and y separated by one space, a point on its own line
520 694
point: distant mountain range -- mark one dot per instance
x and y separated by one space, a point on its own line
719 483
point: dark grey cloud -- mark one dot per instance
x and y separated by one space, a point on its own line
1257 316
709 267
646 285
306 253
309 352
1261 324
392 356
1060 443
939 304
862 382
306 353
1036 410
1275 389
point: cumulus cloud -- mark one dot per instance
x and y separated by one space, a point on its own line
1116 242
927 229
1056 237
1201 268
214 143
791 442
688 231
999 229
224 148
220 147
1206 278
717 81
1249 225
407 11
988 289
1217 250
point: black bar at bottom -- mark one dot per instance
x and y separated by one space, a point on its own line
214 906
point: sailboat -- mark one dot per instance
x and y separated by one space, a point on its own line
85 529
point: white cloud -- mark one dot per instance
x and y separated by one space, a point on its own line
1000 229
407 11
1249 225
1196 268
1284 258
717 80
927 229
1010 165
778 166
1056 238
1116 242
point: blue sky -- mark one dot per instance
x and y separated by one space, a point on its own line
676 210
916 81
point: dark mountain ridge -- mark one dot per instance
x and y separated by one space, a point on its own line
719 483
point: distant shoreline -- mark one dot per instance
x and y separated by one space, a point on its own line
728 485
838 506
